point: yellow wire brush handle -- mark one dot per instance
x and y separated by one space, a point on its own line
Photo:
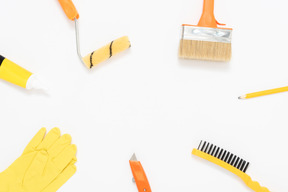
254 185
246 178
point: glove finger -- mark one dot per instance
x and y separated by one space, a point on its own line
62 178
50 139
37 167
65 157
74 160
37 139
63 142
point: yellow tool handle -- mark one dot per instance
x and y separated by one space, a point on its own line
13 73
246 178
254 185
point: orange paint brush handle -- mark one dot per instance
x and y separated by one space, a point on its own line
208 19
69 9
140 176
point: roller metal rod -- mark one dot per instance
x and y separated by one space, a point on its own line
78 41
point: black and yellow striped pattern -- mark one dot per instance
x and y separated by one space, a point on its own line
104 53
1 60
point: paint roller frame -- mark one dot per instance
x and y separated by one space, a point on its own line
101 54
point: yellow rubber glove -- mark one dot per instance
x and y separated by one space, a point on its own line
62 178
45 165
67 173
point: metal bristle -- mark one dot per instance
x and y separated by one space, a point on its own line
224 155
215 155
203 146
228 154
211 146
207 147
246 167
199 145
212 153
230 158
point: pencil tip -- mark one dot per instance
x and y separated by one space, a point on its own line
241 97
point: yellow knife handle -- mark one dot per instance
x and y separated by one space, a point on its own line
254 185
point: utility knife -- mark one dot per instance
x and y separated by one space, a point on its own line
139 176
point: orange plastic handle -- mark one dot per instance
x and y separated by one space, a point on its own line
140 176
69 9
208 19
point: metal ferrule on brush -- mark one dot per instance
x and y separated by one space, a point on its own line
206 34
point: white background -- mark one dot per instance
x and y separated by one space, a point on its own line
146 100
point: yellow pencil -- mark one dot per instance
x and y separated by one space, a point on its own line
262 93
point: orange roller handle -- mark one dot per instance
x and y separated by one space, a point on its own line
140 176
69 9
208 19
